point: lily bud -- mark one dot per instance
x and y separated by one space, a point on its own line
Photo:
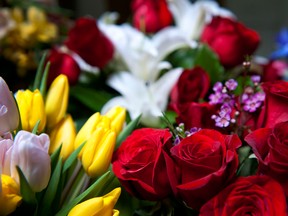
63 133
31 106
97 152
9 116
117 116
57 100
30 153
9 195
98 206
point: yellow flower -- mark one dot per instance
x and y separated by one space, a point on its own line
87 129
117 116
31 107
63 133
98 206
9 195
57 100
97 152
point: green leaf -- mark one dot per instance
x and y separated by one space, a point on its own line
209 61
182 58
26 191
35 129
91 98
55 157
96 186
51 190
72 158
127 131
38 76
44 80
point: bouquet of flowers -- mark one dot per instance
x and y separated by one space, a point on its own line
204 132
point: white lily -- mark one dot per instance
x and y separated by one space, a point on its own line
191 18
143 56
141 97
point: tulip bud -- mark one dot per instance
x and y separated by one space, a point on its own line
9 116
98 206
97 152
9 195
57 100
31 106
63 133
117 116
30 153
87 129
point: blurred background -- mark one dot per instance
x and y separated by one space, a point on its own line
264 16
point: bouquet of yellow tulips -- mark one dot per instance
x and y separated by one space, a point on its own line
47 167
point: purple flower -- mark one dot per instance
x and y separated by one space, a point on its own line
231 84
217 87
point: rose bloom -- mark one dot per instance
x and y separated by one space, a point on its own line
275 105
253 195
139 164
196 115
152 15
271 149
62 63
192 85
231 40
90 43
201 165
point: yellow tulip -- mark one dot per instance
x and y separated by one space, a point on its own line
117 116
57 100
63 133
87 129
97 152
98 206
31 107
9 195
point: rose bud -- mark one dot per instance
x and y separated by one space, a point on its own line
90 43
62 63
151 16
231 40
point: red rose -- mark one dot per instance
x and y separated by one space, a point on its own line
62 63
230 40
90 43
201 165
274 70
192 85
275 105
139 164
153 15
196 115
253 195
270 146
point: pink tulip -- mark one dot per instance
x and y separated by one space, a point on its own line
30 153
9 116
